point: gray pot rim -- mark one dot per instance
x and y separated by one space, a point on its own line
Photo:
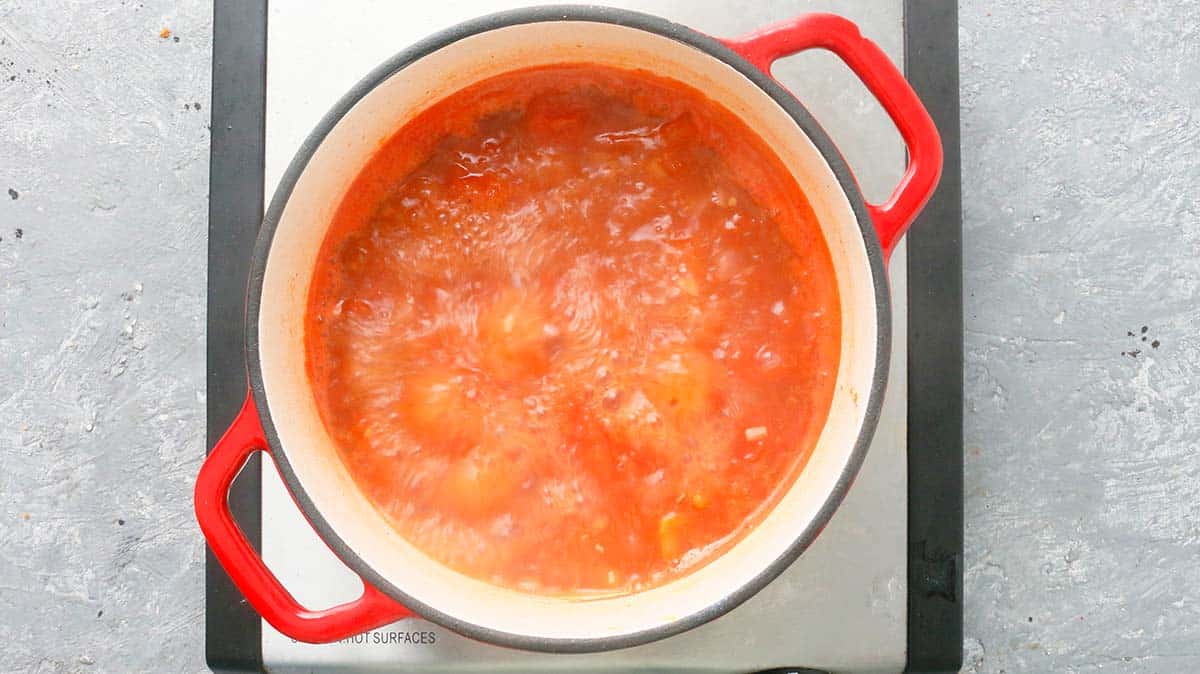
652 24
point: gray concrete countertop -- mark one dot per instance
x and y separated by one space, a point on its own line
1081 168
1081 165
103 240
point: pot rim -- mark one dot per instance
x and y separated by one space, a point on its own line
651 24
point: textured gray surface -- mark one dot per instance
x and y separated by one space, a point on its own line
103 138
1081 168
1081 165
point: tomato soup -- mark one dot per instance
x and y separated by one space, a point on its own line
574 329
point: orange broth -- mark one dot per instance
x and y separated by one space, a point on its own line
574 328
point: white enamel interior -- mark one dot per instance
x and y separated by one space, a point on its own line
292 258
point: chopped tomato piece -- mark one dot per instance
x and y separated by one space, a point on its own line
682 383
517 335
439 405
478 482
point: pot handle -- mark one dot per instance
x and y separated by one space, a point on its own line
840 36
247 570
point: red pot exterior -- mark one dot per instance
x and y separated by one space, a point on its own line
376 608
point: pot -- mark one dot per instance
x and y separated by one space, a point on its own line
280 415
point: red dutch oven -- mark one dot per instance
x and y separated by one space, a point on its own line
280 416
